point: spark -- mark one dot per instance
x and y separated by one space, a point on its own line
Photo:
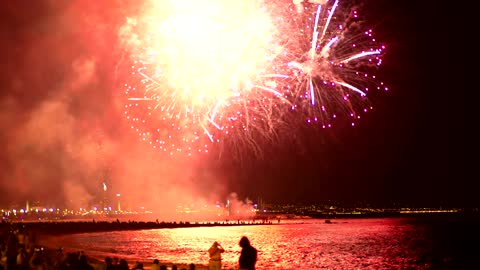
212 71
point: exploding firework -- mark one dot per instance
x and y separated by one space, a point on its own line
209 71
200 72
330 57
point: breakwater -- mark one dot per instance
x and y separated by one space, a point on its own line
70 227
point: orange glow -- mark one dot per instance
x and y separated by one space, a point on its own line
207 50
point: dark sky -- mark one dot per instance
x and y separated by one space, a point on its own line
410 149
59 99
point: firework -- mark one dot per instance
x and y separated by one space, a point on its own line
329 59
200 72
207 71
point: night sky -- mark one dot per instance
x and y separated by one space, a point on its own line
410 149
59 98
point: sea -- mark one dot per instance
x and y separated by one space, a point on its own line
426 242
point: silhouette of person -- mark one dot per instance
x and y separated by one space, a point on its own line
84 264
108 264
123 265
215 253
155 265
248 255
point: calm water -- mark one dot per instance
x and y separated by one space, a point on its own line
384 243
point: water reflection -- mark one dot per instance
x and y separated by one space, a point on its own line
345 244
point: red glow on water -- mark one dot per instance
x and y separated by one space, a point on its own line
303 244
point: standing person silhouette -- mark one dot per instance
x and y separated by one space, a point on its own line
215 253
248 255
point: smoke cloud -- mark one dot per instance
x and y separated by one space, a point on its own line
63 135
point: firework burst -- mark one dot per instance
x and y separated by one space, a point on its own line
330 57
209 71
200 72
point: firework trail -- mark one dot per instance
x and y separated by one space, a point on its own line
214 70
329 57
